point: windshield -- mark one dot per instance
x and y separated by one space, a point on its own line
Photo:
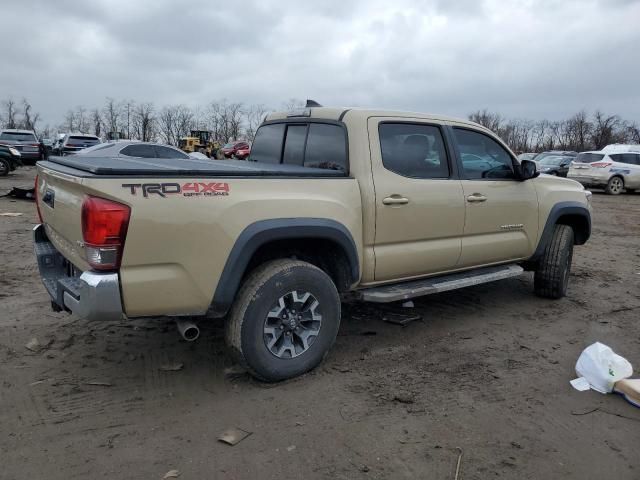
18 136
589 157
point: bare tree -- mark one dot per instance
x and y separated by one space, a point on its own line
604 129
127 112
254 116
293 104
492 121
144 121
111 113
96 120
10 113
29 119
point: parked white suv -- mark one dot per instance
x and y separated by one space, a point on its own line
614 172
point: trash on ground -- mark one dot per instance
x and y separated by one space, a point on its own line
629 389
10 214
235 371
171 474
233 436
34 345
401 319
171 367
404 397
23 193
99 384
291 448
408 304
581 384
601 368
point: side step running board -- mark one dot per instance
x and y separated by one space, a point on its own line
418 288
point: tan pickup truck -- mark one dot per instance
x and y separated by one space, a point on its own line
333 204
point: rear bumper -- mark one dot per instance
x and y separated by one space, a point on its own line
92 295
591 180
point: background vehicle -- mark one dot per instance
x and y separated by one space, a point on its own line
621 148
614 172
199 141
555 165
131 148
25 141
354 189
242 153
9 160
526 156
48 144
564 153
75 142
229 150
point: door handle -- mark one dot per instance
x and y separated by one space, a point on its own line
476 197
395 200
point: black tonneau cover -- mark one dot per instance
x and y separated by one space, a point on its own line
116 166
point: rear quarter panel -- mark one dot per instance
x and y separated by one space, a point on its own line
177 246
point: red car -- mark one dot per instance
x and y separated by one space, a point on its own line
231 149
242 153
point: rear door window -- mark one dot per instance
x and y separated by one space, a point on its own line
294 145
267 145
413 150
143 151
326 147
629 158
482 157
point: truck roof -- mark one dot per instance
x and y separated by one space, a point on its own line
339 113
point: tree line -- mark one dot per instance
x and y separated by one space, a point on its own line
580 132
235 120
145 121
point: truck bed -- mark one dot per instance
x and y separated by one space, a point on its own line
173 167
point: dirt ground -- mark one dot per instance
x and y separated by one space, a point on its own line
486 370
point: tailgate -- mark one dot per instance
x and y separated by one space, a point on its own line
59 197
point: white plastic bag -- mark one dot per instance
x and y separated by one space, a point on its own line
601 367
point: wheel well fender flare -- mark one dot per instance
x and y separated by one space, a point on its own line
265 231
575 214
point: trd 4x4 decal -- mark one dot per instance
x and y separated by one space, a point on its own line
189 189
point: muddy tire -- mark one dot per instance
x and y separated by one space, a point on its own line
284 320
615 185
552 275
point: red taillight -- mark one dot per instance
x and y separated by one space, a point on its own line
104 228
601 164
37 198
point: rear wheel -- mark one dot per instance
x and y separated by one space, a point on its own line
615 185
552 275
284 320
5 167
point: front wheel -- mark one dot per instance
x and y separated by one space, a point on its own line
552 275
284 320
615 185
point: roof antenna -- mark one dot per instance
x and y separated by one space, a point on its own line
312 103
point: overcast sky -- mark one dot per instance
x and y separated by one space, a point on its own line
523 58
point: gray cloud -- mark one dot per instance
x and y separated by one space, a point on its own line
527 58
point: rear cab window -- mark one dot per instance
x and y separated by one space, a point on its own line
308 144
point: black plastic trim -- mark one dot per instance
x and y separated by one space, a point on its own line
264 231
560 209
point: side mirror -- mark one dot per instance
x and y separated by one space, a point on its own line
528 170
